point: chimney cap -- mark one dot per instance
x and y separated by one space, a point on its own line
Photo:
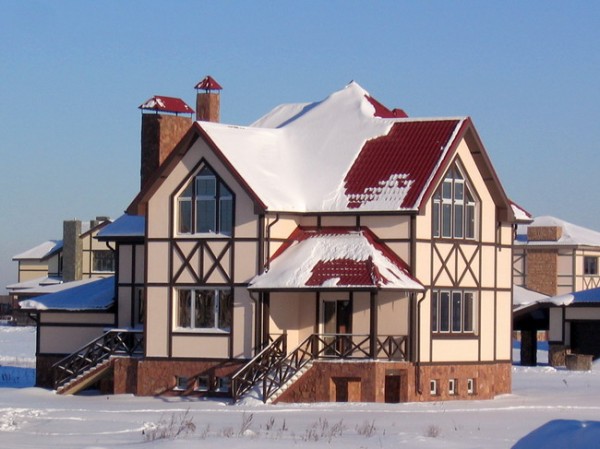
208 83
161 103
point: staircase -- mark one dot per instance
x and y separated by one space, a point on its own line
279 371
274 368
94 360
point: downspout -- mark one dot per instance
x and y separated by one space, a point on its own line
116 293
418 386
268 239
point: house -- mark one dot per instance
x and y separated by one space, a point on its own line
78 255
261 257
557 259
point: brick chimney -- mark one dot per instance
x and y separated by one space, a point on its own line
164 123
542 263
208 100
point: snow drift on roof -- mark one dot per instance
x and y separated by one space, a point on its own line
336 154
42 251
571 234
34 286
523 297
520 214
89 294
123 227
335 258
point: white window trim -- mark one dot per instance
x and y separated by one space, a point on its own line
222 193
200 330
436 300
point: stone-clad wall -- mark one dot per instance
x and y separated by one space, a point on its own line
158 376
366 381
542 270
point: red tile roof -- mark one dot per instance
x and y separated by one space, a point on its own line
405 157
208 83
338 257
166 104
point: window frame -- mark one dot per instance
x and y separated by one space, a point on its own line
107 261
590 265
197 194
446 304
222 302
454 198
452 390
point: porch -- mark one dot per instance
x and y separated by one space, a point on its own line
275 369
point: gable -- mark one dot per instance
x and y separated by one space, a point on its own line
391 171
477 165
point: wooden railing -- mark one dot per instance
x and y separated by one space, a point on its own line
257 368
331 346
113 342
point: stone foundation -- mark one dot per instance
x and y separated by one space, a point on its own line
397 382
157 376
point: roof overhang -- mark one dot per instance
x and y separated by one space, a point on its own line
334 259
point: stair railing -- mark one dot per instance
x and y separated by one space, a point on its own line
256 369
113 342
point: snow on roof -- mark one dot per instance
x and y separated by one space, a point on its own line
88 294
40 252
523 297
582 297
34 285
166 104
335 258
336 154
571 234
126 226
521 214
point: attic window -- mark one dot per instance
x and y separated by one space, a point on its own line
454 207
205 206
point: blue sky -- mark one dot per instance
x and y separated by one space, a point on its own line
72 74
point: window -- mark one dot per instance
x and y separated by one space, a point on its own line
454 207
433 391
181 383
103 260
590 265
205 206
203 383
204 309
453 311
471 386
223 384
139 304
452 386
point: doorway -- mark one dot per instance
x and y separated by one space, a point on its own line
336 322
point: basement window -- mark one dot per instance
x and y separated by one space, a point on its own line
203 383
181 383
433 387
223 385
471 386
452 387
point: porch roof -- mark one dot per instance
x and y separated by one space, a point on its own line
96 294
335 258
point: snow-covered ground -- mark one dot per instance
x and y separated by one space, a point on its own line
548 409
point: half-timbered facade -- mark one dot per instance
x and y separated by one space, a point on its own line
337 230
555 257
